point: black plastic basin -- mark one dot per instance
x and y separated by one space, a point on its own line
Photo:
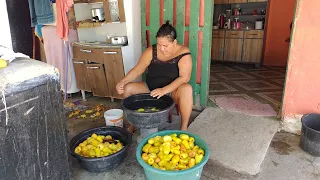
147 119
310 134
107 163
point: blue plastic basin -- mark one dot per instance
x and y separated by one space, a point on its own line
193 173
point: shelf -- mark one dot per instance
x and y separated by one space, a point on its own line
89 24
248 16
88 1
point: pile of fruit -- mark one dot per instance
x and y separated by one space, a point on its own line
95 112
147 110
98 146
172 153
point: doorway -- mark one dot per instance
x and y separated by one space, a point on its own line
236 81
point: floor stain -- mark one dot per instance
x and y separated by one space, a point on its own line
281 148
275 164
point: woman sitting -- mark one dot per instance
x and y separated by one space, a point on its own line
168 66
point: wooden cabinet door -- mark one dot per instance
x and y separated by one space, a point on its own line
252 50
97 79
217 49
233 50
221 1
81 74
114 10
237 1
257 0
114 69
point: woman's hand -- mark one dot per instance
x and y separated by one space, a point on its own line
120 87
158 93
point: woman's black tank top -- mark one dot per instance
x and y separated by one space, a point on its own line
162 73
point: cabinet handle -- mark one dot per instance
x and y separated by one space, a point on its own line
86 51
93 67
110 52
78 62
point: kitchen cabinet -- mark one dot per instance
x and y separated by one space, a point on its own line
217 48
257 0
233 50
221 1
81 70
254 34
114 69
218 34
234 34
98 69
237 46
237 1
252 50
96 77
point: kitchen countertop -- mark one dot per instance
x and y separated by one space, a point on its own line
237 30
97 44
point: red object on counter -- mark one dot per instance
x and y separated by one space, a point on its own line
236 12
221 21
255 12
238 25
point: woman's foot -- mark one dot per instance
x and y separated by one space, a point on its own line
131 129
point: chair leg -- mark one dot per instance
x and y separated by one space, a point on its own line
170 117
178 109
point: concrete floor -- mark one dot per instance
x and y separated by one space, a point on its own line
284 160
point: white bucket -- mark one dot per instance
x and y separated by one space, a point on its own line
114 117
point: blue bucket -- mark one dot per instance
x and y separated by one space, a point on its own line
193 173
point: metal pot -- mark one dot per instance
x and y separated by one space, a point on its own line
97 14
119 40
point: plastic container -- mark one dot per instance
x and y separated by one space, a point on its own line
310 134
102 164
147 120
114 117
193 173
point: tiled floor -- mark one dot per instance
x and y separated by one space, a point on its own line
263 84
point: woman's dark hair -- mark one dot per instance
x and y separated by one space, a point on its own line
168 31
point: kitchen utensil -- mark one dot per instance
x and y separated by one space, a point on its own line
227 25
221 20
228 13
119 40
236 12
259 25
255 12
247 26
234 25
238 25
97 14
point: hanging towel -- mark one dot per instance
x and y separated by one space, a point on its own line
55 51
40 12
38 31
63 6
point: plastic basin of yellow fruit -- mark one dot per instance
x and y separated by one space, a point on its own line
105 163
193 173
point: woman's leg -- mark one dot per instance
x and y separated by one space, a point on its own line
135 88
183 97
132 89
